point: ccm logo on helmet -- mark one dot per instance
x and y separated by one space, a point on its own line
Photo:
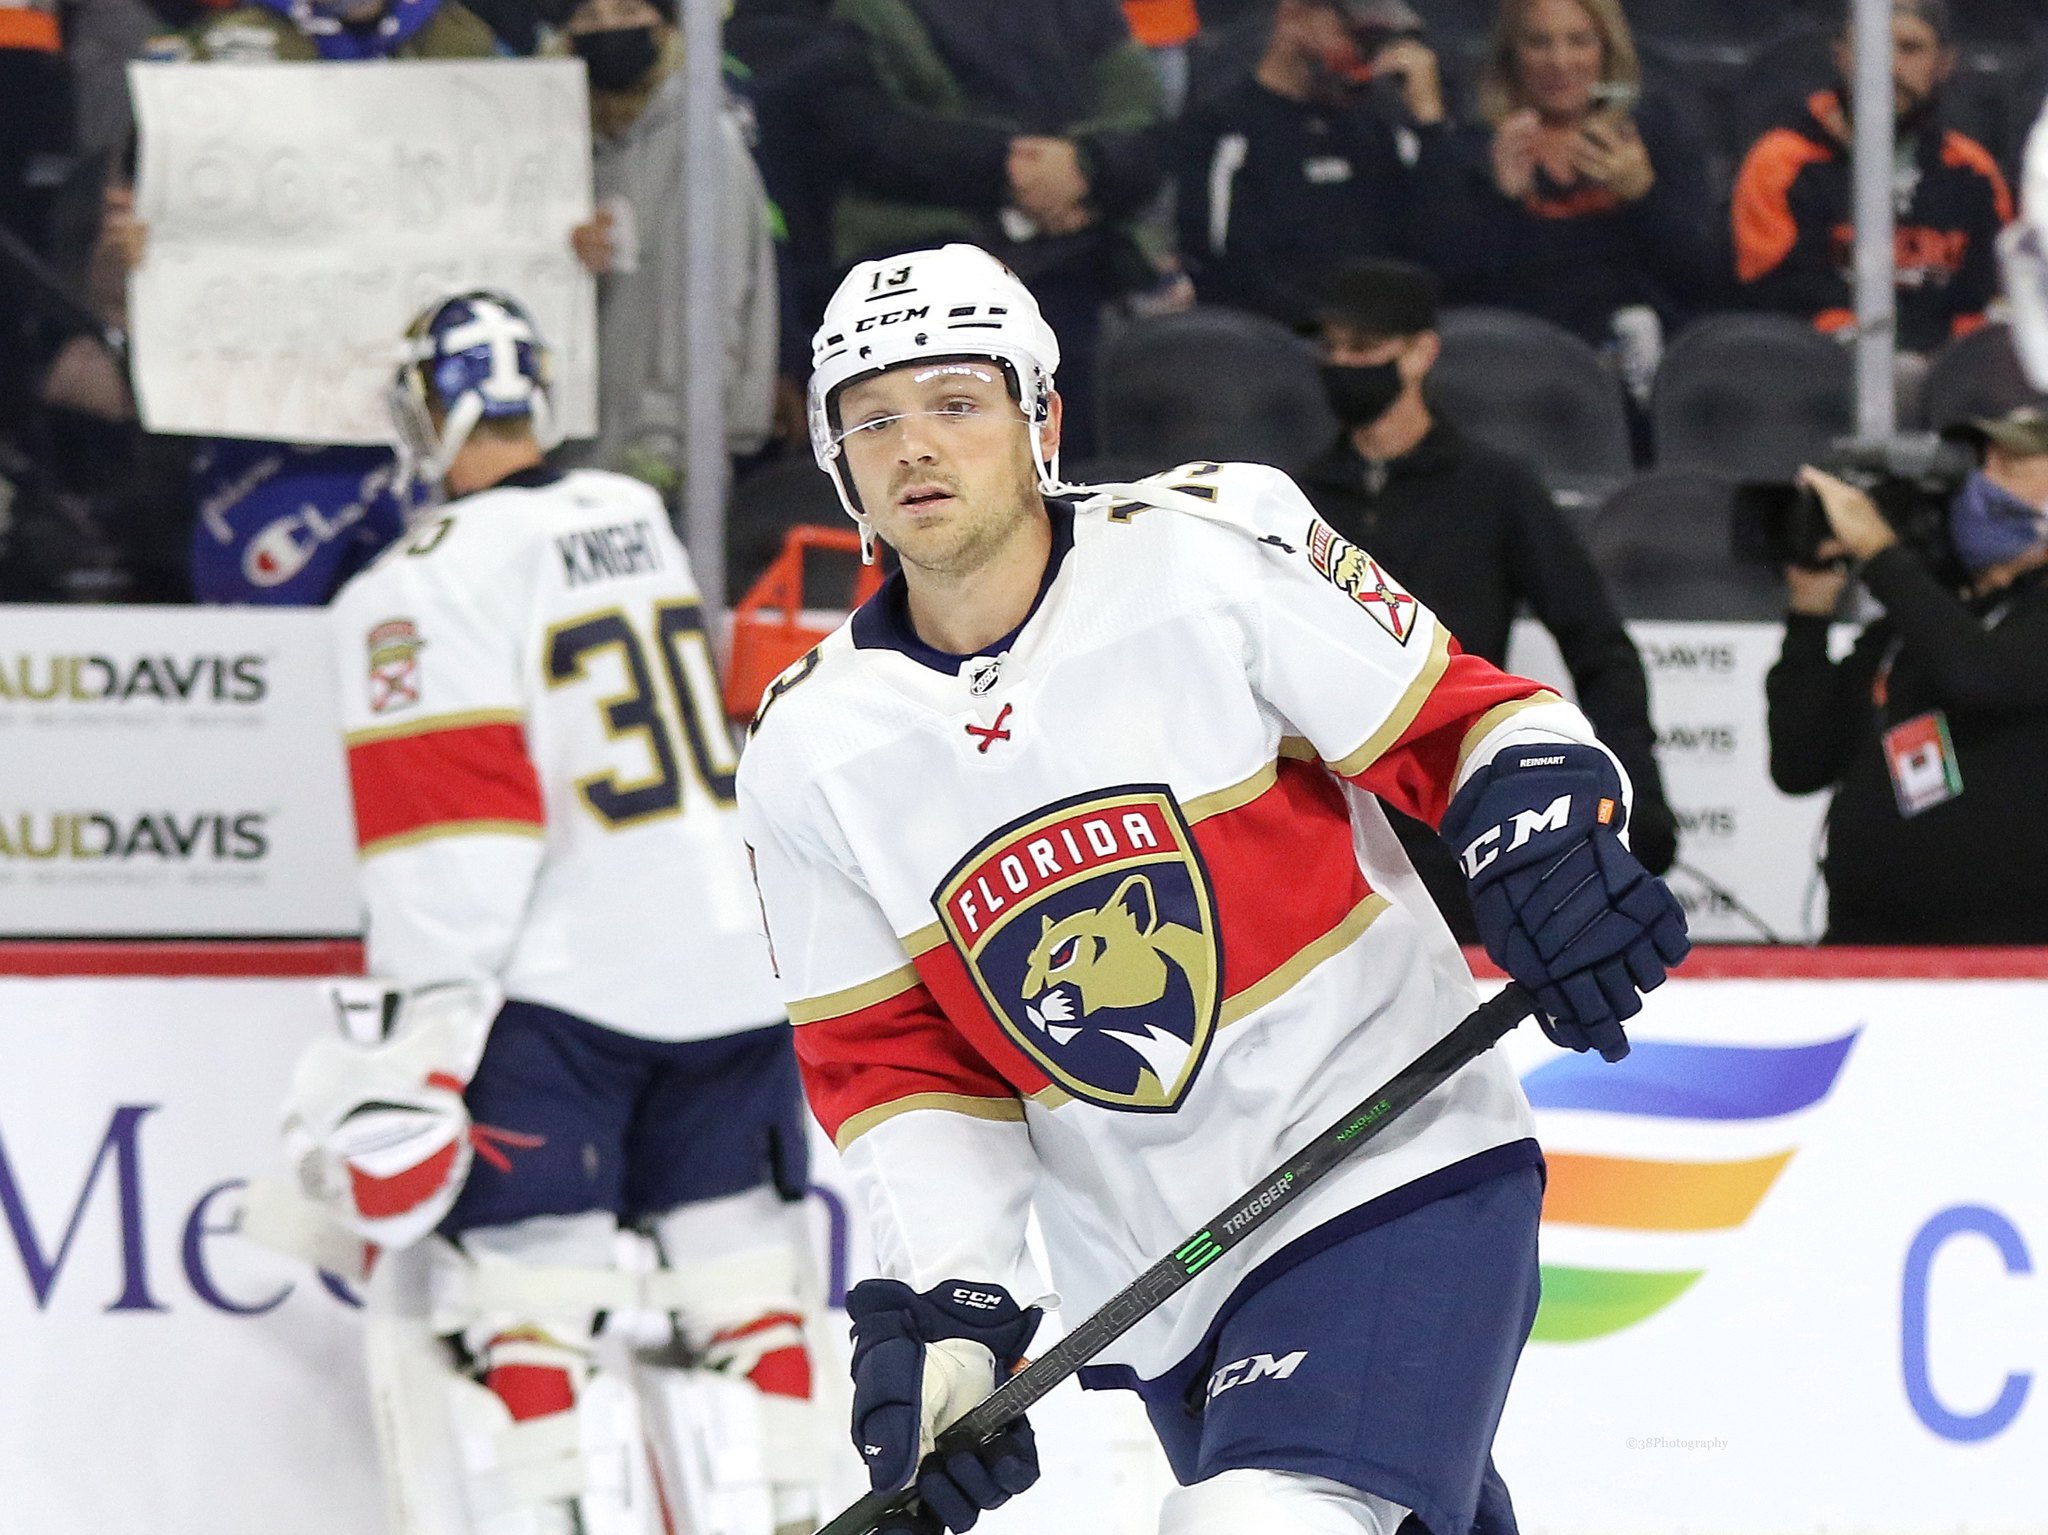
1527 823
892 317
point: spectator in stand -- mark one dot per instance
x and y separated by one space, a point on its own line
1794 238
1033 131
1323 155
1586 205
282 524
305 30
1472 534
98 508
1164 28
634 245
1933 730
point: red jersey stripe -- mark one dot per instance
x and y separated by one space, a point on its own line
473 775
1415 774
1288 891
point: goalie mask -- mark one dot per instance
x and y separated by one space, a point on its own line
2023 248
957 301
475 357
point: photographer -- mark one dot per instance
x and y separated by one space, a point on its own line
1934 729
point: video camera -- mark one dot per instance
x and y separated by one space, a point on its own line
1910 479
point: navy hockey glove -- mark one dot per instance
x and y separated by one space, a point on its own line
1563 907
919 1362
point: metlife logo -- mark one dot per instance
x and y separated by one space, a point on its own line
172 772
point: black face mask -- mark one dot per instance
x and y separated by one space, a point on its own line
618 58
1360 396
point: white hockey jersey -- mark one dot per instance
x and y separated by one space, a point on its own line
541 766
1104 921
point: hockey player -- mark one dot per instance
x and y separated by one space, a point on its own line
2024 249
543 792
1070 858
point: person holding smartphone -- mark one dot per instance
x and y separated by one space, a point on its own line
1593 203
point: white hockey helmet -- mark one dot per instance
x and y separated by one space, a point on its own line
2024 248
956 301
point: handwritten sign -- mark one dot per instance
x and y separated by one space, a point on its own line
300 215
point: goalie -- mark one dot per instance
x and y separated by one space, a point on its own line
543 788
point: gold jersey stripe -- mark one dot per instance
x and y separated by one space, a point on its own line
427 724
1052 1097
1001 1110
837 1004
449 829
1217 801
1339 938
924 940
1402 715
1498 716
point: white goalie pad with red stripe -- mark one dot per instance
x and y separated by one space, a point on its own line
374 1126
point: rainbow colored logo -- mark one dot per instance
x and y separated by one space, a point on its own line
1594 1199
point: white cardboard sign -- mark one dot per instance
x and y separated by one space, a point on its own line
300 215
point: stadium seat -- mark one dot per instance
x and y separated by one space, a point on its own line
1533 389
1211 383
1662 543
1979 375
766 504
1750 396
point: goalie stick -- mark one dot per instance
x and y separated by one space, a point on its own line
1486 1025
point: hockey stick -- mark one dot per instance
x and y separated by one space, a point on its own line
1487 1024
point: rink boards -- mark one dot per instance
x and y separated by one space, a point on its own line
1791 1253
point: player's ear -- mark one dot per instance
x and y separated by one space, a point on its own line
1055 413
1429 346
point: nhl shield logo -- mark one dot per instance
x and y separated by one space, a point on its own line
1090 929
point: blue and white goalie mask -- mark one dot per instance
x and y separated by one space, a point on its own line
475 357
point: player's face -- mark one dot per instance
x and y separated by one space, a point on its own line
1558 58
941 457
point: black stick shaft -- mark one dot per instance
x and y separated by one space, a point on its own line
1486 1025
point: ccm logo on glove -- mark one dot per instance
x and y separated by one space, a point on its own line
1529 822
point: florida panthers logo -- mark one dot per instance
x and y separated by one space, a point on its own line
1358 576
1091 931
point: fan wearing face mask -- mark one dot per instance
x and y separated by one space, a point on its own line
633 55
1472 533
1932 730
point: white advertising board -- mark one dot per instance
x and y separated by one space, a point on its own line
171 771
1749 855
1791 1249
299 215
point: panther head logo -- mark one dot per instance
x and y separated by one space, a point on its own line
1089 930
1122 958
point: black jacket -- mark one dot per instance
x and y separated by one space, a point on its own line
1472 533
1795 239
1273 194
1576 254
1972 870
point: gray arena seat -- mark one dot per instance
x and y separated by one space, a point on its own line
1211 383
1978 375
765 505
1750 397
1662 543
1533 389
